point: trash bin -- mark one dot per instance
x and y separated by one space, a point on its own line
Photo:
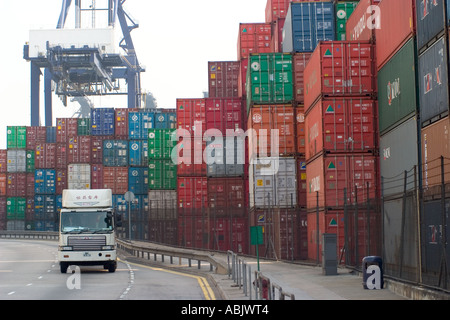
372 269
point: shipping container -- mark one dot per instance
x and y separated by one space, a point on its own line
344 10
329 175
61 156
45 156
399 153
339 68
432 21
29 187
277 34
84 126
163 204
165 118
300 60
229 233
192 194
276 9
300 130
189 157
16 137
16 185
96 176
254 38
79 176
397 98
163 231
273 182
79 149
61 181
162 175
435 140
97 148
30 161
161 143
363 21
265 120
116 179
50 135
65 128
138 180
227 197
121 122
139 123
3 160
433 82
341 125
103 122
15 208
397 25
45 207
225 161
223 79
194 231
269 79
138 153
224 114
301 182
3 184
307 24
189 113
45 181
115 153
17 160
243 78
35 135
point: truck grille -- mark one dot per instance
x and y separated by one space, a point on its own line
89 243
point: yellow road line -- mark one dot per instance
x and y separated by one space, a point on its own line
203 283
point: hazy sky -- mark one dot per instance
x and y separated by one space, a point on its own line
174 42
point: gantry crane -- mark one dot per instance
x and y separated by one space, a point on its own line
80 71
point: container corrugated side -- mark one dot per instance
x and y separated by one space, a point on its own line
300 60
103 122
190 111
361 24
162 175
254 38
432 21
433 82
343 11
192 194
397 98
223 79
226 196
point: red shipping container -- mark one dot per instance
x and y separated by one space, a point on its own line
224 114
2 213
3 184
30 184
66 127
340 68
79 149
195 164
45 156
277 35
116 179
226 196
243 77
341 125
192 194
300 131
16 185
329 175
3 161
254 38
301 182
272 117
61 155
229 233
223 79
36 135
29 209
190 111
397 26
276 9
121 122
300 60
362 22
96 176
193 231
97 148
61 180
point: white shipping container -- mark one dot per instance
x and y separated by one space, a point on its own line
273 183
79 176
162 199
17 160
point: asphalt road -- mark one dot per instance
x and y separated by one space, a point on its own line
29 271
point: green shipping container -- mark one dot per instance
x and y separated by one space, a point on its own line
16 137
162 175
343 12
269 78
30 161
15 208
160 143
397 85
84 127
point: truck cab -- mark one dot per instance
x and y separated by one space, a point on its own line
86 230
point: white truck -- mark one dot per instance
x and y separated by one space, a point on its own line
86 231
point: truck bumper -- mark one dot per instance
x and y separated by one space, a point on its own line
86 257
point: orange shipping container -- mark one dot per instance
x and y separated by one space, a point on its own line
300 132
3 183
272 117
254 38
300 60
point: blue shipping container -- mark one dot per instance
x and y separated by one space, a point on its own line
102 122
44 181
139 123
138 153
306 24
139 207
138 180
432 21
50 135
115 153
45 207
165 120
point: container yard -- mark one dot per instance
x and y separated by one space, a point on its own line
333 118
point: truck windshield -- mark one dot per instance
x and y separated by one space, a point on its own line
93 221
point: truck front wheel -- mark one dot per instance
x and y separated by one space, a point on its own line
63 266
112 267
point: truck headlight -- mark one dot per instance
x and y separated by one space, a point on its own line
66 248
107 247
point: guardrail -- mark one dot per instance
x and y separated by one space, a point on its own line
240 272
35 235
147 250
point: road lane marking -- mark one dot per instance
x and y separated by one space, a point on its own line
203 283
